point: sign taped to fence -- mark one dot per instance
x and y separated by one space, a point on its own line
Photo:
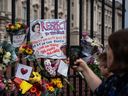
48 37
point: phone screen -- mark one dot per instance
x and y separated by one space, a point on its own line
75 53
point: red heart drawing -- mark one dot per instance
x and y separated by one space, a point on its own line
24 71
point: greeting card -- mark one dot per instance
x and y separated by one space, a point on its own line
23 71
63 68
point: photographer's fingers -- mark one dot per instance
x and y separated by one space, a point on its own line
77 64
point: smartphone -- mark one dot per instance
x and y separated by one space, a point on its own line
75 53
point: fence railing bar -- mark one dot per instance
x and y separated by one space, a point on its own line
113 15
91 17
42 9
28 19
86 89
68 39
13 11
13 5
68 27
80 37
28 14
80 20
28 24
11 36
123 14
56 9
20 58
74 83
42 17
102 24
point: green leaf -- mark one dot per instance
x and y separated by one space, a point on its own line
71 87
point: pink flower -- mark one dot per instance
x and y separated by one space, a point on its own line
2 85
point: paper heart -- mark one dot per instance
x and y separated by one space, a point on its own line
24 71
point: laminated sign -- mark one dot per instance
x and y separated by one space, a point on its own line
48 37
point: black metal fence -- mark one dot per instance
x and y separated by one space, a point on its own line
81 88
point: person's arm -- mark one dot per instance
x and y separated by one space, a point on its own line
92 79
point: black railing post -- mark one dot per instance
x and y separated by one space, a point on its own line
13 17
68 39
56 9
28 19
68 26
123 14
28 13
113 15
80 37
28 24
11 36
42 9
74 83
13 11
42 17
91 17
80 20
102 24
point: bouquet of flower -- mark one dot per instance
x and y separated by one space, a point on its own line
7 56
39 86
54 86
17 28
26 49
91 48
7 53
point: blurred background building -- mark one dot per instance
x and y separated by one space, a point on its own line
35 13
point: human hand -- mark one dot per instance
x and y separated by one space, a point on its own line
80 65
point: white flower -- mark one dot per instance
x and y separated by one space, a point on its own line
96 42
7 57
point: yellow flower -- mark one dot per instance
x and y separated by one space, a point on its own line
21 50
57 82
51 89
18 25
59 85
53 81
29 51
12 27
